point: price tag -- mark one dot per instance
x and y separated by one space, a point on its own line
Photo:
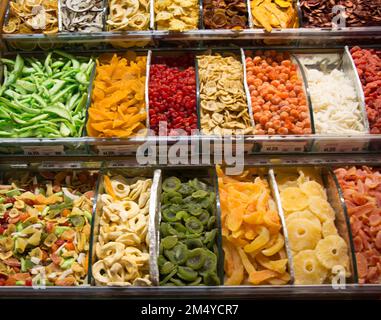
276 146
340 147
60 165
44 150
116 150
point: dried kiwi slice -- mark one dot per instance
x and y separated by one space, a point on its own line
211 279
195 282
182 215
177 282
194 243
169 215
171 184
210 236
196 258
211 222
176 229
204 217
199 194
178 254
164 229
161 260
169 242
194 225
194 209
167 267
187 274
210 264
197 184
168 277
185 189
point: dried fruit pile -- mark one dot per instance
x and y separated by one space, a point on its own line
368 64
277 94
362 194
122 246
128 15
45 225
225 14
317 248
251 232
269 14
224 108
172 94
177 15
118 98
32 16
188 233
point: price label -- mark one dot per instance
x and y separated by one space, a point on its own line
340 147
60 165
116 150
275 146
44 150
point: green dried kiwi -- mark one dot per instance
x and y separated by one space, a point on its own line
197 184
193 236
185 189
199 194
171 197
204 217
175 229
171 184
169 242
167 277
210 236
170 284
193 243
211 279
194 225
164 232
205 202
188 200
161 260
211 222
195 282
169 216
187 274
194 209
196 258
177 282
210 264
161 249
182 215
167 267
178 254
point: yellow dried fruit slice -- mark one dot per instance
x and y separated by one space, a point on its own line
332 251
312 188
306 214
308 269
293 199
321 208
329 228
303 234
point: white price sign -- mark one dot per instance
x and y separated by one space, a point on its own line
116 150
43 150
342 147
275 146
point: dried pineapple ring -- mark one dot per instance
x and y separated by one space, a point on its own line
303 234
308 269
306 214
312 188
321 208
332 251
329 228
293 199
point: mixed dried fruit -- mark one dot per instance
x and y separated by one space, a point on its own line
368 65
45 224
188 234
224 109
172 94
225 14
128 15
269 14
82 15
278 99
177 15
118 98
252 236
32 16
122 248
362 193
44 98
317 248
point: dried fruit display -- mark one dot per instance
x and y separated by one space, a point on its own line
317 248
32 16
177 15
225 14
45 225
358 13
277 94
224 109
362 193
128 15
269 14
172 94
122 248
188 233
118 106
368 64
252 236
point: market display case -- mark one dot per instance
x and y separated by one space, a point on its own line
37 160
